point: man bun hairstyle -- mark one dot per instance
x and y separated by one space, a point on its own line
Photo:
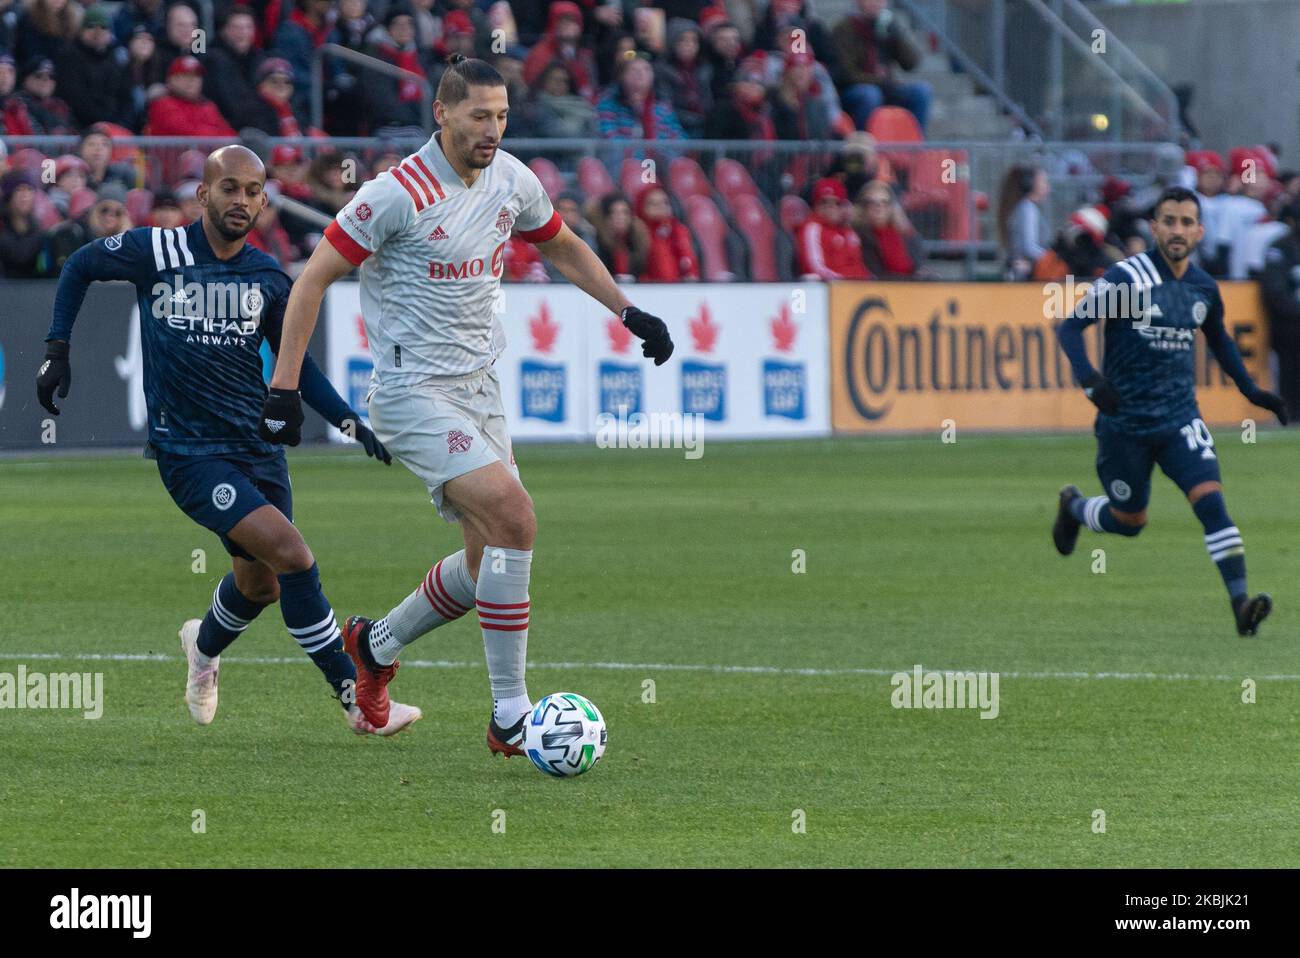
462 73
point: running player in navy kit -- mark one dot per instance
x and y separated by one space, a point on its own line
207 299
1152 303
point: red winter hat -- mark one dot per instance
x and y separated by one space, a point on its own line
286 156
828 188
712 17
458 21
1092 221
185 64
1113 189
565 8
1240 157
799 60
69 162
1203 160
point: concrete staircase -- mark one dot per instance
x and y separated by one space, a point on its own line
958 112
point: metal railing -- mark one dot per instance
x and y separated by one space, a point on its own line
366 62
950 189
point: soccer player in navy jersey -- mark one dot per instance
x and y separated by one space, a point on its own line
207 300
1152 304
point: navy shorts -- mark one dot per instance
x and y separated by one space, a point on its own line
217 491
1124 461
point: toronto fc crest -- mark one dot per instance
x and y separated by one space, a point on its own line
457 441
504 221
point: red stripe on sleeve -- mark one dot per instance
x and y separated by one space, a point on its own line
419 181
544 232
352 251
401 178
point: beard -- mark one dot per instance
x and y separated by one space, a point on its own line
468 150
232 230
1175 253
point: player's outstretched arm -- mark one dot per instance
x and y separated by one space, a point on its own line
282 412
582 267
1229 358
94 261
319 393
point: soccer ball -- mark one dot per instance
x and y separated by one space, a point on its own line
565 734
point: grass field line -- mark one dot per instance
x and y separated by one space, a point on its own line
652 667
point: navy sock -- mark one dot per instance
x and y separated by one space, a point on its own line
231 613
311 622
1096 515
1223 542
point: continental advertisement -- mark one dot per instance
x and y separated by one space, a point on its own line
907 357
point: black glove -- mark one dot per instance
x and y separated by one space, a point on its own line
358 430
55 371
1102 393
652 330
1270 401
281 417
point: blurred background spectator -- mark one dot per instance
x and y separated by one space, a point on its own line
622 240
1022 226
869 44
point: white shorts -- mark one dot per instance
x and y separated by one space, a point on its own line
443 428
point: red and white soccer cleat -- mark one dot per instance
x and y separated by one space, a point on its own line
201 682
506 741
372 678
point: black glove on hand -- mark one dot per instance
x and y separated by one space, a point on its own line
56 371
358 430
1102 394
656 343
1270 401
281 417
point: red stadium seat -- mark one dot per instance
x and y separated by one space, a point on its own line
893 124
629 178
711 231
190 166
550 175
80 201
732 180
594 179
139 203
758 229
935 184
27 159
47 214
685 178
794 212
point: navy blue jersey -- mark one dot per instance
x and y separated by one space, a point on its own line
202 322
1150 321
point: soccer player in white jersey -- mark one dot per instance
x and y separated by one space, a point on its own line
429 235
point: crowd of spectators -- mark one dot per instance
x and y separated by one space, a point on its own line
673 70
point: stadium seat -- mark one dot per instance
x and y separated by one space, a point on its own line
929 192
47 214
593 179
794 211
710 231
732 179
550 175
629 178
685 178
756 226
893 124
27 159
80 201
190 165
139 204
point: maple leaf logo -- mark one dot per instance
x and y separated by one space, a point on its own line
362 338
784 330
704 331
620 337
543 330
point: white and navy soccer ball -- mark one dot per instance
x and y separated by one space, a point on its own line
565 734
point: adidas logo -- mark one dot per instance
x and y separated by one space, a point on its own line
180 296
438 234
275 425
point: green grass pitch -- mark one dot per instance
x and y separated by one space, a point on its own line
1119 691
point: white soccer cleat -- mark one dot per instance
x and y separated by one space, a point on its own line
399 717
201 683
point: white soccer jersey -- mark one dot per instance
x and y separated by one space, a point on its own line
431 252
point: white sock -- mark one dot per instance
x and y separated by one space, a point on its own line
446 594
502 602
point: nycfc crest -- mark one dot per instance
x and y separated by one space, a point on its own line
252 302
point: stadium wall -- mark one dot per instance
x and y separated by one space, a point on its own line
754 360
